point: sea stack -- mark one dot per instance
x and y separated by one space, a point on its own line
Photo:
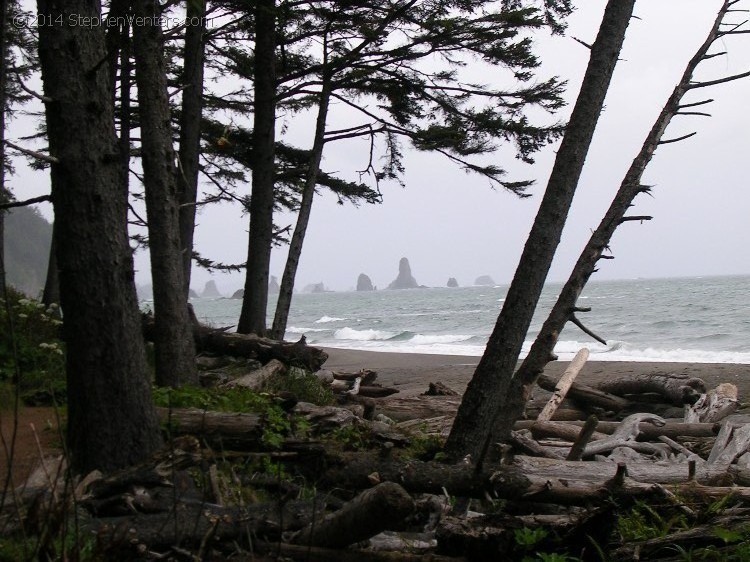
404 279
364 283
452 283
273 285
484 281
210 291
238 294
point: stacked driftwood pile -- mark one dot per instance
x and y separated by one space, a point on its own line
561 481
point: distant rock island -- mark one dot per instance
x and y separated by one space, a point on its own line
452 282
315 288
404 279
192 294
484 280
273 285
210 291
238 294
364 283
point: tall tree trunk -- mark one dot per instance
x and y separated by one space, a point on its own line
51 294
487 392
3 100
190 132
175 348
565 307
260 239
112 422
303 218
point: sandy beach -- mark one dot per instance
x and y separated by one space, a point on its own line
411 373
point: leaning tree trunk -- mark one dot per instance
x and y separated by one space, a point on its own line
303 218
260 239
111 418
486 393
190 133
565 308
51 294
175 349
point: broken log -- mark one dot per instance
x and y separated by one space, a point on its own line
378 509
319 554
715 405
563 385
677 389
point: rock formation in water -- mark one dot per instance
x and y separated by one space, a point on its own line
210 291
404 279
273 285
315 288
484 280
238 294
364 283
452 283
192 294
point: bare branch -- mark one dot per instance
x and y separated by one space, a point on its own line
678 139
706 57
700 113
26 203
719 81
640 218
34 154
586 331
686 105
582 42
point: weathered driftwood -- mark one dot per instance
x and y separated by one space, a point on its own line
563 385
623 436
677 389
588 431
587 396
257 379
319 554
219 429
672 428
730 444
380 508
715 405
524 443
561 430
221 342
191 524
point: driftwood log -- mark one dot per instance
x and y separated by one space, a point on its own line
221 342
380 508
677 389
587 396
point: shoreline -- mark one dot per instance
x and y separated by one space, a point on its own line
411 373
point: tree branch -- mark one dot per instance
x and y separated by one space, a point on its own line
586 331
694 85
678 139
38 155
26 203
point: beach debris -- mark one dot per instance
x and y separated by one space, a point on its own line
714 405
563 385
439 389
676 389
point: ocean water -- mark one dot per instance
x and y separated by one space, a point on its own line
701 320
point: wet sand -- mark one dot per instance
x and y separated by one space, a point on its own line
411 373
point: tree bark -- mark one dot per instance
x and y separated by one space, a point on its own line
174 345
190 132
631 186
303 217
51 293
260 239
3 103
111 418
487 392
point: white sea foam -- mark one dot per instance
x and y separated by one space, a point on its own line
296 330
325 319
420 339
363 335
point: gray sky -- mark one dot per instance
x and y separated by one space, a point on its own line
450 224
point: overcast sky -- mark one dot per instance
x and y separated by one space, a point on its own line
450 224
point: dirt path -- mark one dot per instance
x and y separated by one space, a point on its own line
37 430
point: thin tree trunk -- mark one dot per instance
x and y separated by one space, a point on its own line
175 348
190 133
112 422
565 307
303 218
486 393
260 239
